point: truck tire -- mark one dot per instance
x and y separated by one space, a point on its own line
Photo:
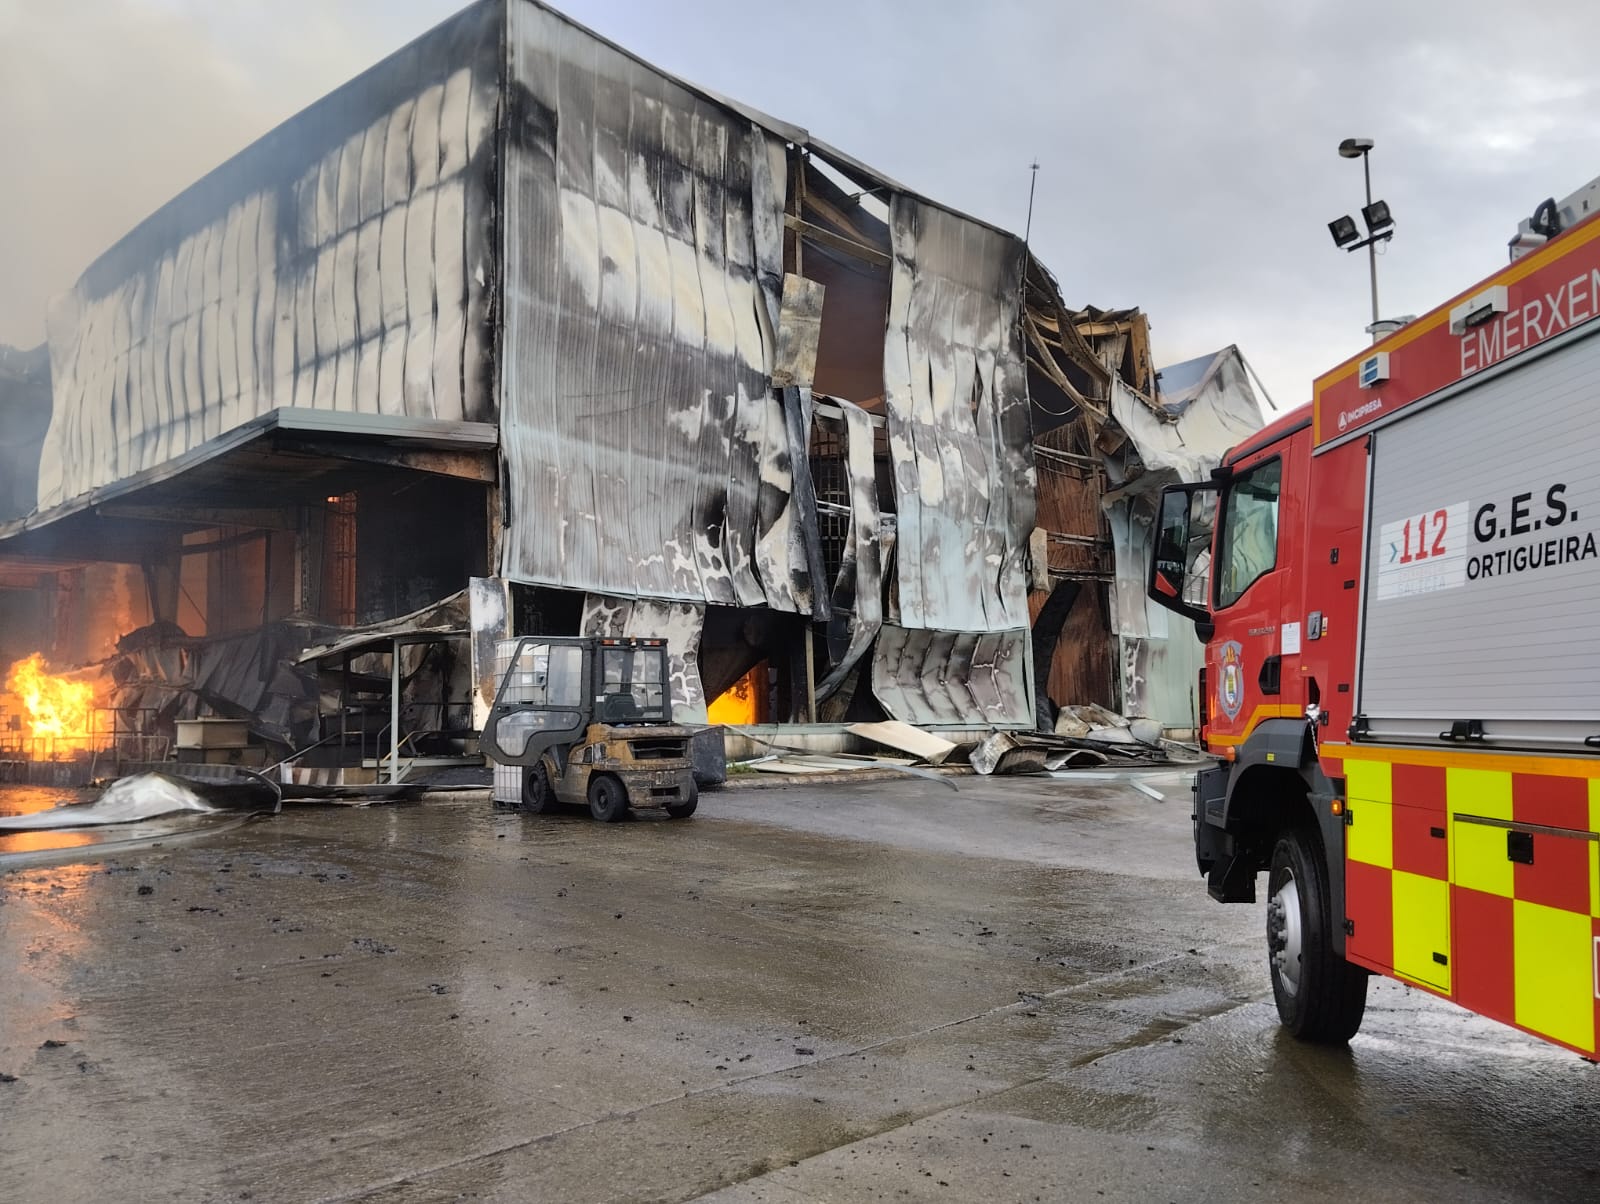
686 808
608 798
1320 996
538 796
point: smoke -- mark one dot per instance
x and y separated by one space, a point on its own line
112 107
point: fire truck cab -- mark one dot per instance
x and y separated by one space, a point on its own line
1396 586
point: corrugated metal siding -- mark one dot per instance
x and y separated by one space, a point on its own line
956 400
1159 652
1160 674
343 262
953 678
679 623
859 589
646 454
956 403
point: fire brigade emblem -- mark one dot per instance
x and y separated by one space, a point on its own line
1230 689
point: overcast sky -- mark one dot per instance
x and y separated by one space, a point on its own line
1187 149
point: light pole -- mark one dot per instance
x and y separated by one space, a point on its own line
1361 148
1380 225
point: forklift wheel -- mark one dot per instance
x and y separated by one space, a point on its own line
537 795
608 798
686 808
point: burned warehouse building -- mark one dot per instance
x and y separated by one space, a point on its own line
517 334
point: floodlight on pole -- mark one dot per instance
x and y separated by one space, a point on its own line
1380 223
1377 217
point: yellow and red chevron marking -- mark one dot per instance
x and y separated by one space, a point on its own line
1438 898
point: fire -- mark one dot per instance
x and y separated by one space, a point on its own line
58 709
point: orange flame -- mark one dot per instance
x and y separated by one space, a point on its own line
59 709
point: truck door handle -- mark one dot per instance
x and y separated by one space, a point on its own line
1270 677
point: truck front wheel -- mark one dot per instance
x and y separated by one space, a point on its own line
1320 996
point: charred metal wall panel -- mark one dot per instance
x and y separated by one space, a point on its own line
858 591
679 623
950 678
646 453
956 399
956 402
344 262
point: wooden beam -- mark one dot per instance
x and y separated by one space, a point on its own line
217 545
463 465
837 241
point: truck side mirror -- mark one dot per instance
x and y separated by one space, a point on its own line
1181 556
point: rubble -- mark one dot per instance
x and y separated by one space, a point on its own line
1084 736
1030 752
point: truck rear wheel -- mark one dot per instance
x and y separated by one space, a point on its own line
538 796
608 798
1321 997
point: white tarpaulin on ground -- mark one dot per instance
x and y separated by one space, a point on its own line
126 801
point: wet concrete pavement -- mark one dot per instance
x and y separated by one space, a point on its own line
1014 991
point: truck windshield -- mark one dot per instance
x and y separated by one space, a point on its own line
1249 545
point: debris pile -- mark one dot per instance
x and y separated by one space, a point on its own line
1085 737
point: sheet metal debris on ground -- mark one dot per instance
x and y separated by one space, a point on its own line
1086 737
925 746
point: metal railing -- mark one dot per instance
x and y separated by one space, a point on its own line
115 736
374 745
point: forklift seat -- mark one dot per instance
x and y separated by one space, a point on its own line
620 708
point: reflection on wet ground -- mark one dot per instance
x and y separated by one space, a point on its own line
26 800
163 805
1015 991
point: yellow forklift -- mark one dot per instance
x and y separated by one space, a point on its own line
589 720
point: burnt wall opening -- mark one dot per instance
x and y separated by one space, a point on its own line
24 626
544 610
233 579
417 542
833 240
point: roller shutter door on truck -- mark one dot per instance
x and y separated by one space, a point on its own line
1482 595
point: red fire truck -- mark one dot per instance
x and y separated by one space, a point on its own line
1399 591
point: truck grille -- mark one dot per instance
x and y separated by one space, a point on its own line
658 750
